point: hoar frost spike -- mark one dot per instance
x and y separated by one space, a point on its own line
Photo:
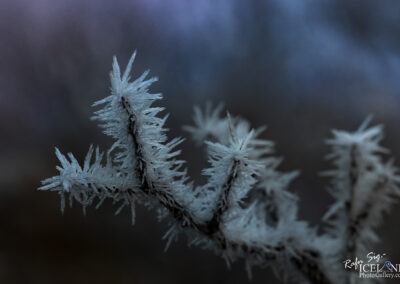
245 210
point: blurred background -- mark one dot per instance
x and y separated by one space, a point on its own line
301 67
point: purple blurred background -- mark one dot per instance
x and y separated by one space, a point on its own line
301 67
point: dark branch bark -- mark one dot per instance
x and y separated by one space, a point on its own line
351 230
308 264
223 203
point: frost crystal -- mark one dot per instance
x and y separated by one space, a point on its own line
245 209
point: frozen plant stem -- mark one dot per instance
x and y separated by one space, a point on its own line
244 210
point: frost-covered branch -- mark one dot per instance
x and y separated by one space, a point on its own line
244 211
364 187
85 184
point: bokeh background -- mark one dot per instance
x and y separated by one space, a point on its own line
301 67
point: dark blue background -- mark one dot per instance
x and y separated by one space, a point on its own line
301 67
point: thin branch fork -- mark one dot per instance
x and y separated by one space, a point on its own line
307 262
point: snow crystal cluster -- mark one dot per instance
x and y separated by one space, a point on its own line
245 210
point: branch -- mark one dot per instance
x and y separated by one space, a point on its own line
244 210
363 186
85 184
